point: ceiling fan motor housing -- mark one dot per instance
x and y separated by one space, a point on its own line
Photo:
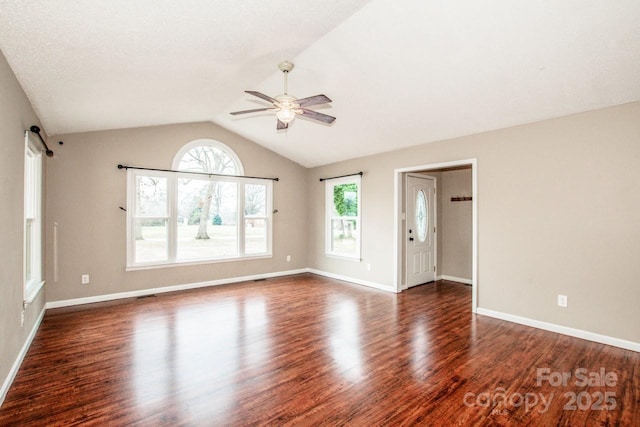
285 66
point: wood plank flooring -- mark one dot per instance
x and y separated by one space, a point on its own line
306 350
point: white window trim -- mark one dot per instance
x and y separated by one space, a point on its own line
329 185
172 213
33 198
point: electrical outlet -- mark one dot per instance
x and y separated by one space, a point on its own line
368 266
85 279
288 258
562 301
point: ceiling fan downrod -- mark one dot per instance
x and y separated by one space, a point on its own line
285 67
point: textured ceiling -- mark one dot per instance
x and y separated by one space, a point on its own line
104 64
400 73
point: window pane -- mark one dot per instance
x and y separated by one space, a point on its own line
195 198
151 239
28 241
345 200
205 158
255 235
343 236
30 186
255 196
207 219
151 196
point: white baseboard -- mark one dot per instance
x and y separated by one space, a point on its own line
455 279
151 291
174 288
23 352
352 280
564 330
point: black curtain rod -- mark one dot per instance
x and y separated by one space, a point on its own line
342 176
36 130
196 173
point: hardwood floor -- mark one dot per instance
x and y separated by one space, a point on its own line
312 351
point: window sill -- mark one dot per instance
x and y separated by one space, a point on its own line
32 291
197 262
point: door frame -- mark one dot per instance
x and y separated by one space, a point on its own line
399 195
405 284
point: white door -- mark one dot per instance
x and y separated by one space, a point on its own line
420 230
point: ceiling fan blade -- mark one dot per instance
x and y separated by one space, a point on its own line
282 125
313 100
261 95
317 116
251 111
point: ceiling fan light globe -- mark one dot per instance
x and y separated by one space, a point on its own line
286 115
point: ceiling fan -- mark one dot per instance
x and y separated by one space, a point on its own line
287 107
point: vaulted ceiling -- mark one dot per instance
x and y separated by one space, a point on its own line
400 73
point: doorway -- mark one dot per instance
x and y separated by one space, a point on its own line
401 218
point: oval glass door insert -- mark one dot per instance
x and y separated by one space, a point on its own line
421 216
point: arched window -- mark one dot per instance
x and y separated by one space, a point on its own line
205 211
207 155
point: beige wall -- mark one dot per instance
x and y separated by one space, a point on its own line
455 224
16 115
86 189
558 204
